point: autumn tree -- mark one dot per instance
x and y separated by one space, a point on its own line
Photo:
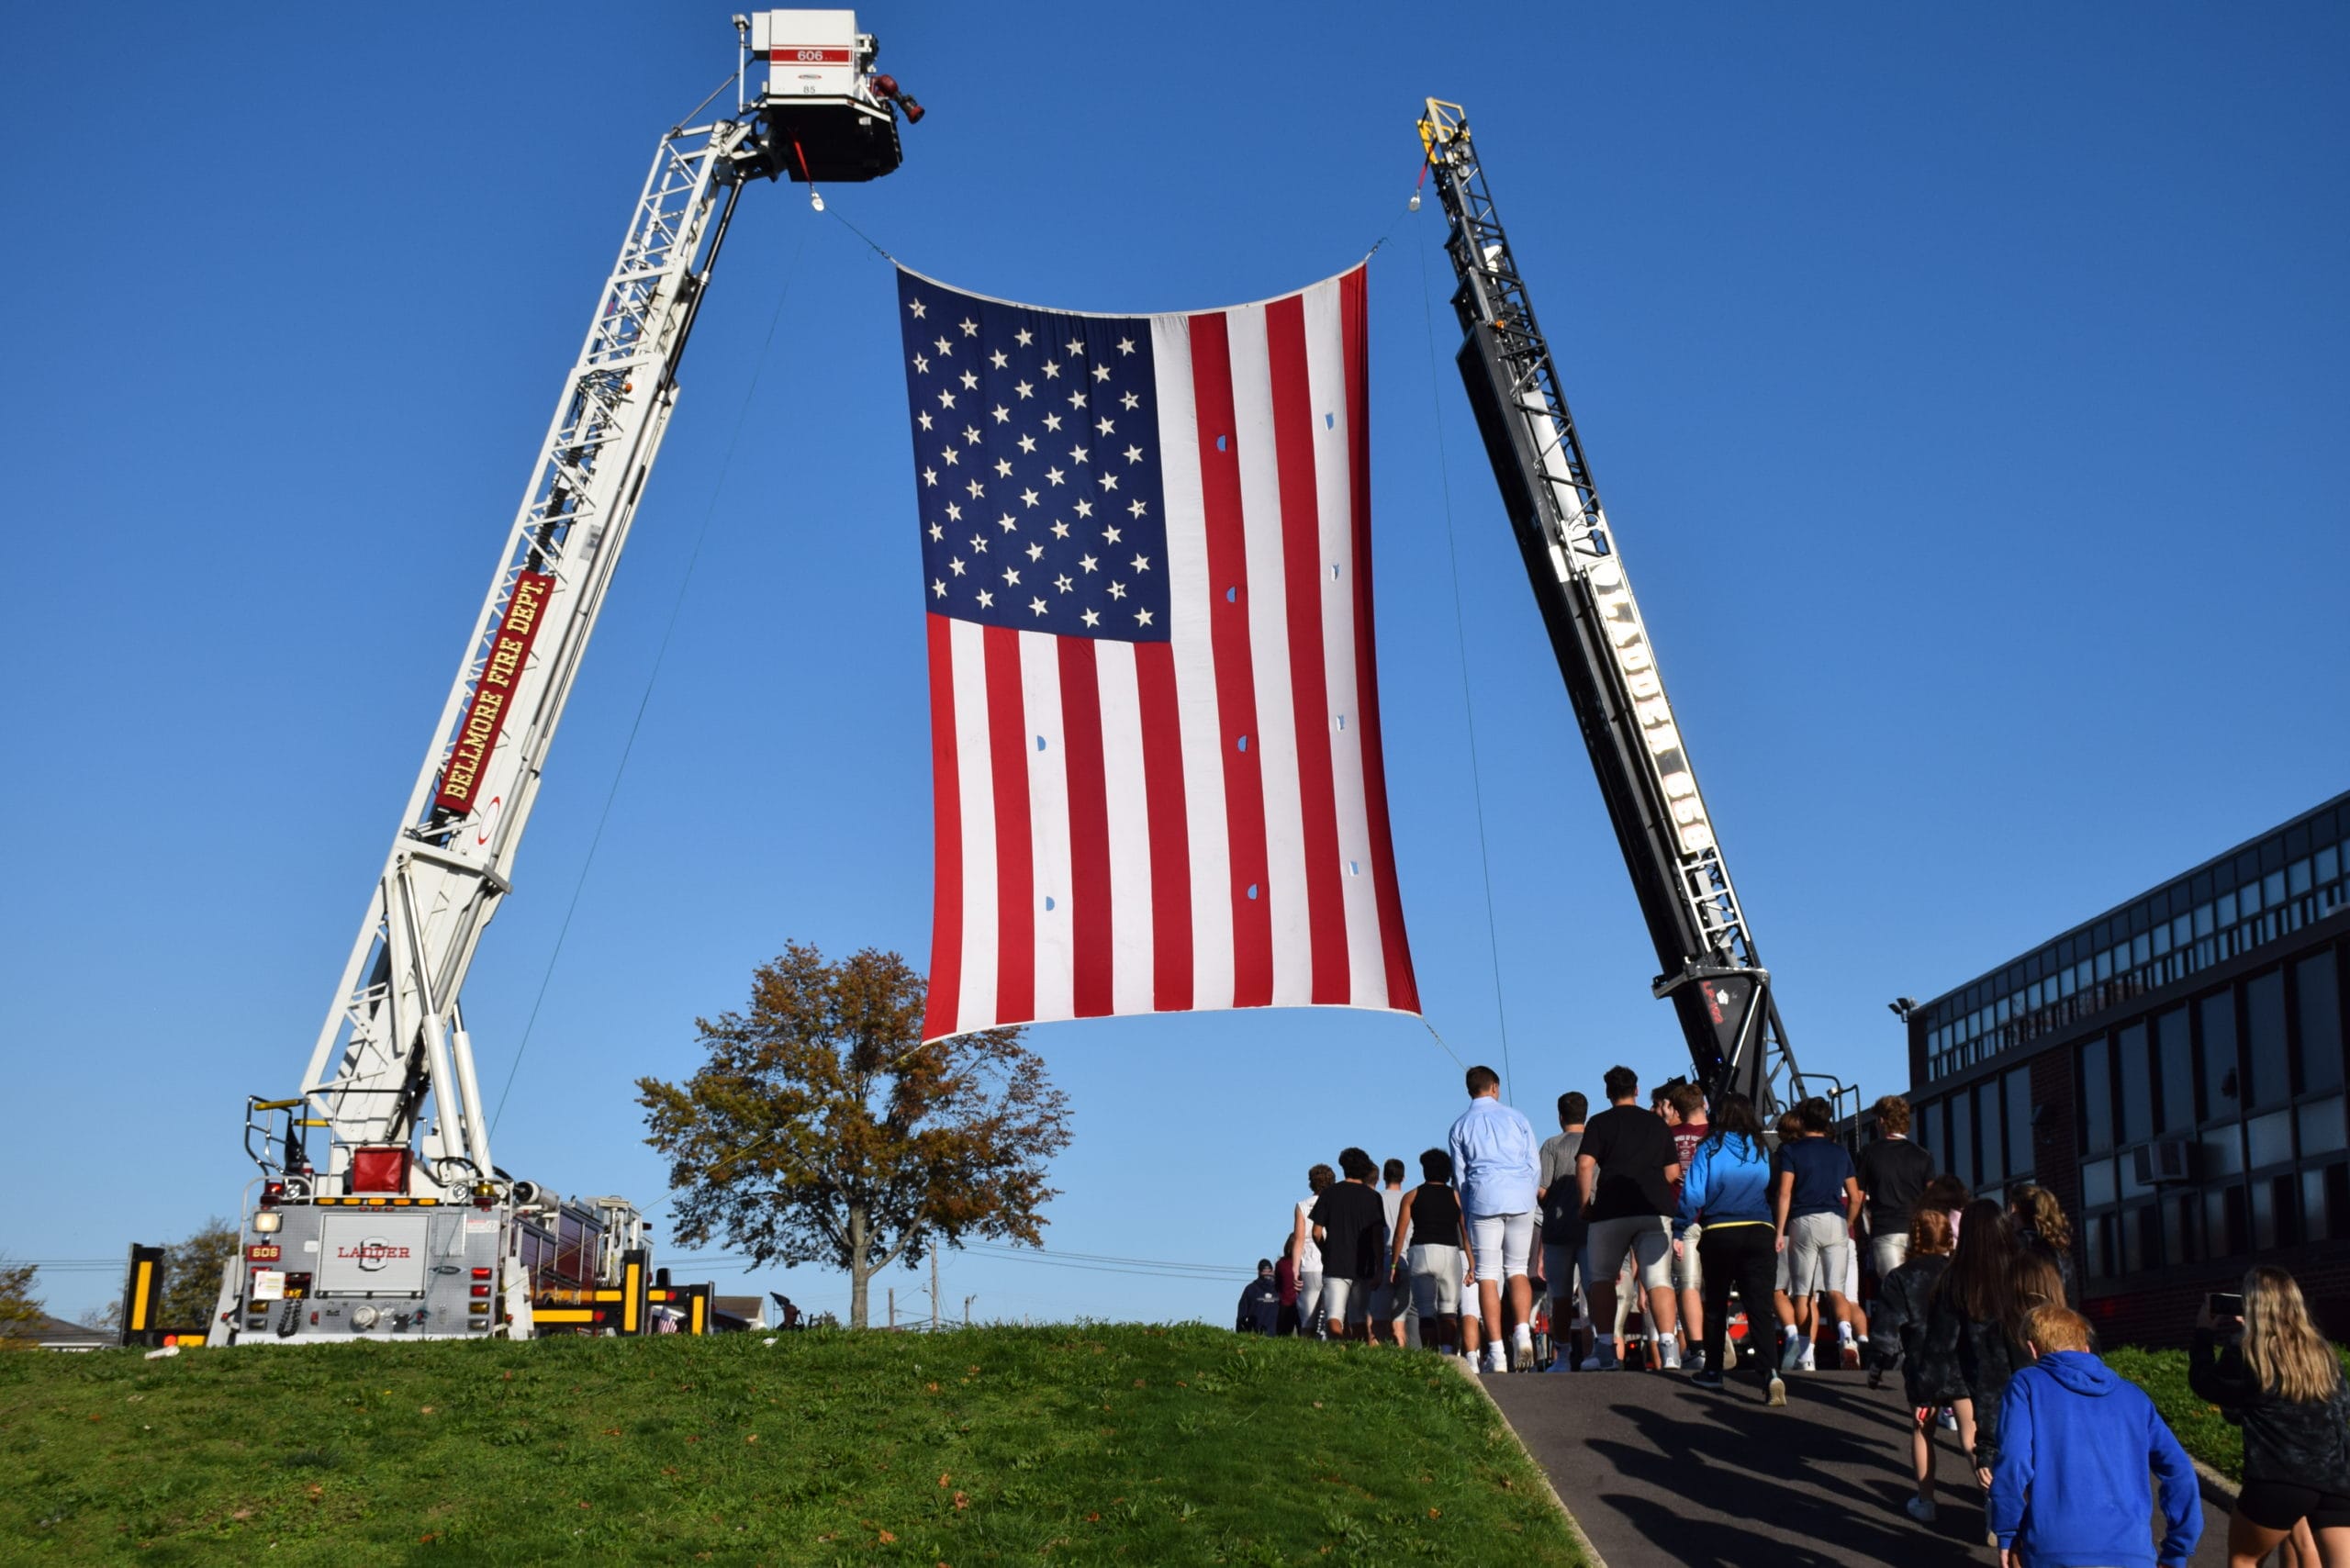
822 1130
21 1312
192 1275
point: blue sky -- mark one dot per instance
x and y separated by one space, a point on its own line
1965 387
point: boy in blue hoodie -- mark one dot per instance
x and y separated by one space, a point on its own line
2076 1442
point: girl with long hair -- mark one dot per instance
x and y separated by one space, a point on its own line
2282 1384
1725 1196
2040 1226
1896 1338
1968 1357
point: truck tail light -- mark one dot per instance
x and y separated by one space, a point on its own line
481 1273
481 1290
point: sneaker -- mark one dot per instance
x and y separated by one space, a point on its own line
1729 1354
1918 1509
1946 1418
1694 1362
1848 1356
1701 1378
1778 1395
1792 1354
1671 1354
1494 1361
1601 1360
1806 1364
1521 1354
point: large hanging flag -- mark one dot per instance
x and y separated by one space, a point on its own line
1146 549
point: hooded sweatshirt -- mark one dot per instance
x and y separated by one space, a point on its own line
2070 1488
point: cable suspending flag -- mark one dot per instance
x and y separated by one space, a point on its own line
1146 548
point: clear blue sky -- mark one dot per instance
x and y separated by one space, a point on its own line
1966 386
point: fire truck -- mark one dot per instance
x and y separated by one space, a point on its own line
1711 970
380 1210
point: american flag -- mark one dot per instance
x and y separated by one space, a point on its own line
1146 551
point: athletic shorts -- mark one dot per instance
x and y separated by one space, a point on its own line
2277 1504
1647 1238
1819 1248
1688 1274
1435 1279
1779 1280
1344 1301
1504 1239
1852 1269
1888 1253
1566 1273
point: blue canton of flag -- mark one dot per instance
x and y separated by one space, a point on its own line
1036 460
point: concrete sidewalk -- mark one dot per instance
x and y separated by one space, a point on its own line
1658 1472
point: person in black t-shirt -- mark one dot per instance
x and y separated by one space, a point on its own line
1626 1166
1351 1227
1893 1174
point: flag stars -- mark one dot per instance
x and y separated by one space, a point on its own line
1110 534
1130 402
1003 467
1137 508
1142 617
1053 475
930 476
1142 562
1091 618
1117 589
1037 605
1104 425
954 513
971 434
1025 388
1052 371
922 364
938 587
1007 524
1076 454
946 399
1087 562
1134 453
1109 481
1011 577
917 307
1085 509
1125 345
1028 445
1024 336
978 544
950 458
922 419
1052 421
944 347
1101 373
936 533
1035 551
971 327
998 359
956 566
987 599
1027 496
1063 582
1077 400
970 380
1077 345
1060 531
976 490
1002 414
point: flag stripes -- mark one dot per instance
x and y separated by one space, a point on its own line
1156 814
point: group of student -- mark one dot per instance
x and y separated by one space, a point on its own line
1664 1209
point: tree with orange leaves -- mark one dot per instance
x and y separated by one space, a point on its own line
821 1129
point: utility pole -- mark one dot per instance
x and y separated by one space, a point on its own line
893 1306
934 1290
966 1309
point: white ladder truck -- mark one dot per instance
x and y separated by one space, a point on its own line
1711 971
380 1210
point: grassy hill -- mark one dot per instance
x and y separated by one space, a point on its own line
1092 1444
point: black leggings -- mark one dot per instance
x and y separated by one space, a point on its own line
1748 1256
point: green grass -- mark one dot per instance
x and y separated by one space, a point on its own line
1092 1444
2201 1431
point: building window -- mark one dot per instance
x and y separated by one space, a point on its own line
2137 1085
2097 1096
2174 1045
2223 1084
1961 1137
2021 1157
2317 996
2264 1032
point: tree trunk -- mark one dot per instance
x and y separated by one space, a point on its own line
860 1268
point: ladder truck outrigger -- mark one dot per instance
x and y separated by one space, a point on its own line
1710 969
370 1216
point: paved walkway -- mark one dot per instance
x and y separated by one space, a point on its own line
1658 1472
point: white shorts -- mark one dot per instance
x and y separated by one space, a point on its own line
1435 1279
1819 1251
1648 1240
1887 1253
1688 1274
1780 1282
1344 1301
1505 1238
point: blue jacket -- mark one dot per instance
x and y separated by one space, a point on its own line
1729 1179
2070 1489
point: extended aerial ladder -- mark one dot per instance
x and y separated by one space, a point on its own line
1710 969
369 1212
